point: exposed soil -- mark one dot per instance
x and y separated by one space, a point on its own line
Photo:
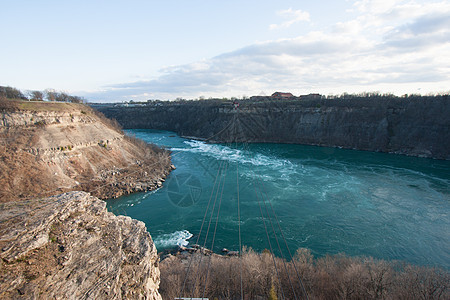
70 147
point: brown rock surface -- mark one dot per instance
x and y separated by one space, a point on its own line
69 247
49 148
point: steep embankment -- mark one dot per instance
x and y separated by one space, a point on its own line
417 126
49 148
70 247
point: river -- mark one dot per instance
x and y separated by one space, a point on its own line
328 200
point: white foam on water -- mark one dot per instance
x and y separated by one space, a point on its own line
222 152
177 238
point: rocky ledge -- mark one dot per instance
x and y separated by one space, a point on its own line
70 247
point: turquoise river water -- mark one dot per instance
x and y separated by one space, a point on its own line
326 199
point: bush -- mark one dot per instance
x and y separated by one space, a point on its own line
329 277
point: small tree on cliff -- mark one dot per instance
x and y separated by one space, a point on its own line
36 95
75 99
50 94
62 97
11 93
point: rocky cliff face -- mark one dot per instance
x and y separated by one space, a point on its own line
417 126
49 148
69 247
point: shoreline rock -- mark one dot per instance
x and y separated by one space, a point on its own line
184 253
69 246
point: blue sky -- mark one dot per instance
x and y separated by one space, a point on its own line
138 50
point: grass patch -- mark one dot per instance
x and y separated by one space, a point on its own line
40 106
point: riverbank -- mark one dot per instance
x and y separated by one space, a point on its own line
51 148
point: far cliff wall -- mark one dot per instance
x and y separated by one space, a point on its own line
418 126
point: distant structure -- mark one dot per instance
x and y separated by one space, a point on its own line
280 95
311 96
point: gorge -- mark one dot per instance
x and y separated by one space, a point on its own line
416 126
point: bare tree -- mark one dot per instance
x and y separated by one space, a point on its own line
75 99
51 94
12 93
36 95
62 97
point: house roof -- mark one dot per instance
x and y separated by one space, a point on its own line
282 95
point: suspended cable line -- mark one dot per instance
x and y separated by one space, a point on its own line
263 219
221 181
235 137
275 236
270 244
239 227
214 235
289 251
233 133
201 227
203 247
263 192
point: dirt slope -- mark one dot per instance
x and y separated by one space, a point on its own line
49 148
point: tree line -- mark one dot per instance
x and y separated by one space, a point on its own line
7 92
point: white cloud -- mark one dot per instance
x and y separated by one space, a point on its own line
377 6
293 16
371 52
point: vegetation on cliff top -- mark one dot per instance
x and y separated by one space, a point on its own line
7 92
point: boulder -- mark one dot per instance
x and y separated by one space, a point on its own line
70 247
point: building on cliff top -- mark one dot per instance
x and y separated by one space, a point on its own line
282 95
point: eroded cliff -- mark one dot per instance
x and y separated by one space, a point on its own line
49 148
70 247
417 126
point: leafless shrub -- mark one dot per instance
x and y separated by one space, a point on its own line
173 272
414 282
5 104
329 277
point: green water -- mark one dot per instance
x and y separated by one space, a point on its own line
325 199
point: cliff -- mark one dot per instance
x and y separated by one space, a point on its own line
70 247
417 126
50 148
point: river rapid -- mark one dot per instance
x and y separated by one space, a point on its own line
328 200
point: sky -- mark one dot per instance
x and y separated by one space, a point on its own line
117 50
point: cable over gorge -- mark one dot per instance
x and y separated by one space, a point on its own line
256 221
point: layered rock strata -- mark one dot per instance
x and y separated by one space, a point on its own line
51 148
417 126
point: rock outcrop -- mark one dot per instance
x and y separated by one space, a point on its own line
417 126
70 247
50 148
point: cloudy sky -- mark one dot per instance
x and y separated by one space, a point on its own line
116 50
